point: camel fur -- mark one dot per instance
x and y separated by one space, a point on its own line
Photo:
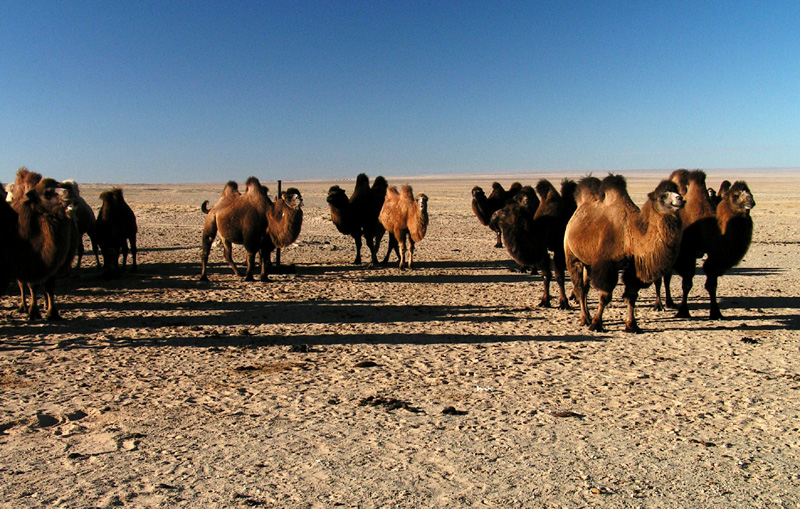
405 217
608 233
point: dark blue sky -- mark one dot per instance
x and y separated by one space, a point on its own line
200 91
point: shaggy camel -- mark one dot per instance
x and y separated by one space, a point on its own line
358 215
608 232
44 244
484 207
239 218
722 234
284 221
406 219
84 217
534 226
114 229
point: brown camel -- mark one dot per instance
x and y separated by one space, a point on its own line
722 234
44 244
358 215
284 221
115 228
608 232
484 207
406 219
8 232
238 218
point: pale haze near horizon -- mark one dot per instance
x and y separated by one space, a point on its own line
163 92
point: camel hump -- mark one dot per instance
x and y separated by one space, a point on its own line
697 176
230 188
544 188
588 189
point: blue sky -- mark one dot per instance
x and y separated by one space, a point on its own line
154 92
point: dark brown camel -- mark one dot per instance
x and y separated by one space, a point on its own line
608 232
484 207
357 216
723 235
115 228
44 244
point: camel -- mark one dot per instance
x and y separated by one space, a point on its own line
406 219
238 218
532 226
8 232
284 221
608 232
517 227
358 215
722 234
484 207
44 244
115 228
84 217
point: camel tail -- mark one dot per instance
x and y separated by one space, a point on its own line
204 207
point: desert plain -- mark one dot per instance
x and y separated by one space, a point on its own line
336 385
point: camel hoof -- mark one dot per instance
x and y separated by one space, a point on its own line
633 329
658 307
204 278
564 304
597 327
715 315
683 313
544 303
498 245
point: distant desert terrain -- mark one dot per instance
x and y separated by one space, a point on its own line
444 386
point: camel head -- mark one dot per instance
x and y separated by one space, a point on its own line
293 198
5 193
337 196
527 199
667 198
478 194
422 202
740 197
712 193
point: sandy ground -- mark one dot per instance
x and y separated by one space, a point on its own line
157 390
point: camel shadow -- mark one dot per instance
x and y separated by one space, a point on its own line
299 344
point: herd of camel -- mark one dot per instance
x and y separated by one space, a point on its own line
592 228
595 232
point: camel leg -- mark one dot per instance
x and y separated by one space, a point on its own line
79 253
658 306
667 293
124 248
560 266
711 288
265 255
206 244
94 249
632 286
499 242
251 263
402 242
686 285
133 253
49 291
410 252
580 285
547 276
23 301
227 253
33 310
392 246
357 261
373 250
604 277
